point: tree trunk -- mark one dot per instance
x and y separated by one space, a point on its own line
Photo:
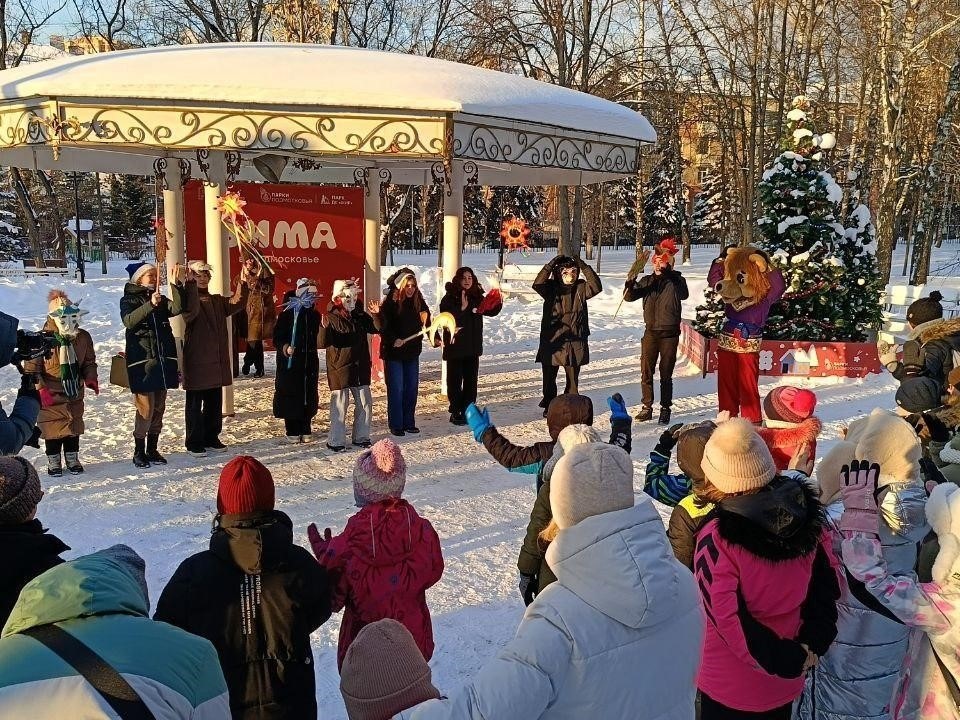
576 224
61 240
933 176
565 245
29 215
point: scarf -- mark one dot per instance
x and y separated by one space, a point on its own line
69 367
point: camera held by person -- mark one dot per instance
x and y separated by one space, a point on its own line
19 428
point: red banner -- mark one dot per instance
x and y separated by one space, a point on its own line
311 231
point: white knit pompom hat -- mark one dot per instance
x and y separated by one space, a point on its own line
736 459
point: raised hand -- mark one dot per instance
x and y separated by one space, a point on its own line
858 485
373 307
478 420
802 460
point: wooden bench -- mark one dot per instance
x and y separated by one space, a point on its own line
54 266
896 300
518 279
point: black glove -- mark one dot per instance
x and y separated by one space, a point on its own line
34 440
669 439
930 472
932 427
528 588
28 389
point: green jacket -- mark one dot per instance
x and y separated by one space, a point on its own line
99 601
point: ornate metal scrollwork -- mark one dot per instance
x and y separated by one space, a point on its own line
304 164
203 162
386 177
361 177
160 173
441 176
471 172
185 171
233 164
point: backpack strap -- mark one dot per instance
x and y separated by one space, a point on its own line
104 678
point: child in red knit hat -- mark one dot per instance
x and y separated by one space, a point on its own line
790 424
387 555
256 596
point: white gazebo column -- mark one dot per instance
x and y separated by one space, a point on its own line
173 224
371 238
452 239
218 256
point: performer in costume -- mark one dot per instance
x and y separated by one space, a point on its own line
296 396
749 286
61 379
663 292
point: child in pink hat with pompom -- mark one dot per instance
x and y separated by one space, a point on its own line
387 555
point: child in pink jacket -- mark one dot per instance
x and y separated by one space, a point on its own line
767 581
387 555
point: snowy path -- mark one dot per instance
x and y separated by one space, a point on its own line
479 510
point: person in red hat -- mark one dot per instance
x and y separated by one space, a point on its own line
663 292
790 424
256 596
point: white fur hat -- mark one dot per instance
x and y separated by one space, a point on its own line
590 480
199 266
340 285
577 434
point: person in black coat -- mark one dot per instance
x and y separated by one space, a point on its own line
151 353
256 596
663 291
399 317
464 300
565 325
296 397
344 335
28 550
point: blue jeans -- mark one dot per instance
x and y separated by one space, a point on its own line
403 382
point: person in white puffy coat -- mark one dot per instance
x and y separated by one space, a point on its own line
619 635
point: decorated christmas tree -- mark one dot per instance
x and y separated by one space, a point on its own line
800 229
706 225
662 199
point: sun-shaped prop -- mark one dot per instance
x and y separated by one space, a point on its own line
515 234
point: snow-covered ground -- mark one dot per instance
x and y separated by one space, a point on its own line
478 508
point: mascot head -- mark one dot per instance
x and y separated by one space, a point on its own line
64 313
745 277
346 293
664 254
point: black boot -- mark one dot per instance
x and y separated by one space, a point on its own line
646 413
139 454
664 416
152 454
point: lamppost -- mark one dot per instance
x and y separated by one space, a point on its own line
76 225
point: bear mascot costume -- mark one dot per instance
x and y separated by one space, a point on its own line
749 286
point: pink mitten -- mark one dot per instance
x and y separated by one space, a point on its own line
46 397
858 484
319 544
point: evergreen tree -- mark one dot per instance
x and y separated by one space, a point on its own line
862 285
621 208
706 225
520 201
131 208
14 244
662 200
800 206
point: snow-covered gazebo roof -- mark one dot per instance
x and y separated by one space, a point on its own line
334 111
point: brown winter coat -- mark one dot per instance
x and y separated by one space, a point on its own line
206 351
261 310
65 417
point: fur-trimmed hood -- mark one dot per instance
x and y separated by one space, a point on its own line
938 330
792 434
781 522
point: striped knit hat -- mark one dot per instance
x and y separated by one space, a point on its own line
380 473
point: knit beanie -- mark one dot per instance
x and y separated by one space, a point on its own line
590 480
246 486
736 459
138 269
690 447
380 473
919 394
789 404
925 309
384 673
20 490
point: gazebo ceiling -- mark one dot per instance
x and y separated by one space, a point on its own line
332 109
